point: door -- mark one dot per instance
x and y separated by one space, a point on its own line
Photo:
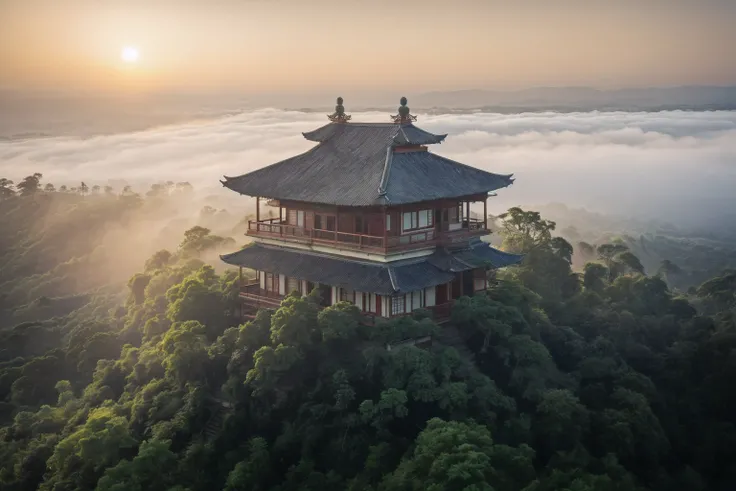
440 296
325 294
468 283
457 286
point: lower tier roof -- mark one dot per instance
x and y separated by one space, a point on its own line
368 276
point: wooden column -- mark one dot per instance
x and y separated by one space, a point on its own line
258 211
337 222
485 212
281 219
467 213
240 276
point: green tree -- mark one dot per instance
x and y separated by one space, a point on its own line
461 456
153 468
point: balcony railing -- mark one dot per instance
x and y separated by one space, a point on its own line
257 298
273 228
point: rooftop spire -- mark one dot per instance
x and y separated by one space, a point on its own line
403 116
339 115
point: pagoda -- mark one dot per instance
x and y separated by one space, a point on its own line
370 216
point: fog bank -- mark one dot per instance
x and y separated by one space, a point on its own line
678 166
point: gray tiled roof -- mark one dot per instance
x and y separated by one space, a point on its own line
364 276
476 254
354 164
367 276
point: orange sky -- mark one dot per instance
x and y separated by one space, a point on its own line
297 45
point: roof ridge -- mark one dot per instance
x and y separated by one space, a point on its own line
392 277
386 172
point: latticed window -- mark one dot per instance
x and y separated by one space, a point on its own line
398 305
292 285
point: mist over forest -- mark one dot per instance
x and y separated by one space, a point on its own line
603 362
671 166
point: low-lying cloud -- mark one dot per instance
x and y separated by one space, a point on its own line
679 166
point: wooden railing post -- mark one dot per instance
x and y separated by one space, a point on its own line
337 223
385 229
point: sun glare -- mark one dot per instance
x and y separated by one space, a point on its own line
129 54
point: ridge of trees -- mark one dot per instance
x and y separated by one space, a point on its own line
600 379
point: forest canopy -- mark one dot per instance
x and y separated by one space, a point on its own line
583 368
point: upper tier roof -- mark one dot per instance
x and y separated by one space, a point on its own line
356 164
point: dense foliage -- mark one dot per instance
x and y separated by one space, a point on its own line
600 378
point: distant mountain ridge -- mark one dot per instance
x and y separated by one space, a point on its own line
568 99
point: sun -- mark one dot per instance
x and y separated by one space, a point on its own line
129 54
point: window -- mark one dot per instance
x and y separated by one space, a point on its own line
398 304
371 303
272 282
324 222
346 295
300 218
417 299
407 225
293 284
417 219
453 215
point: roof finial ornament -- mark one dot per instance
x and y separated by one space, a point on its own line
403 116
339 115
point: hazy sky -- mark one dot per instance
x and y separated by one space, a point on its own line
299 45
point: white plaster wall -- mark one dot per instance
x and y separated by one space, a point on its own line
430 296
335 295
262 277
282 284
385 305
416 300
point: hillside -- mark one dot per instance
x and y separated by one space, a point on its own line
582 369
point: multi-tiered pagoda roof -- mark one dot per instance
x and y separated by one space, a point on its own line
370 212
367 164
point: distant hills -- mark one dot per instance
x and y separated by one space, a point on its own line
559 99
31 114
697 98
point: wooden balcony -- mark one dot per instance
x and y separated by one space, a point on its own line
275 228
258 298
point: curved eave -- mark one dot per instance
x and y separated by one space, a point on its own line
320 134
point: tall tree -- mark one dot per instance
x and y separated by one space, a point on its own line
30 185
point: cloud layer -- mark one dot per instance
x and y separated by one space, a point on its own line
680 166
